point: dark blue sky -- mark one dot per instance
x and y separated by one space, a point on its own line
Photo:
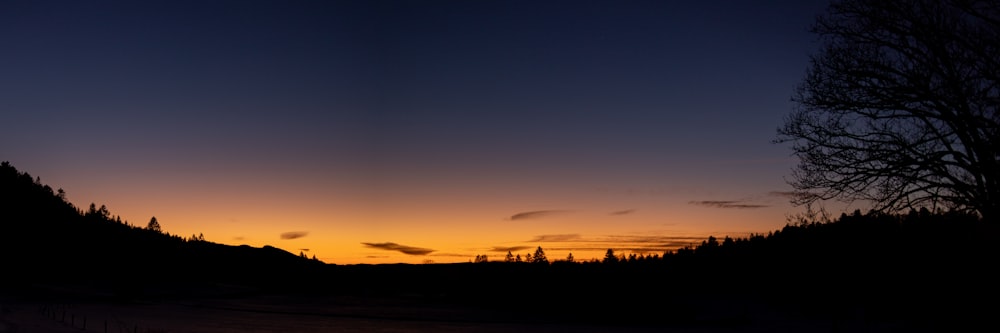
528 105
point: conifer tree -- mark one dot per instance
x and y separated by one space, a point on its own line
609 257
154 225
539 257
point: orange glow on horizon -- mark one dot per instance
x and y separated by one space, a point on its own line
456 221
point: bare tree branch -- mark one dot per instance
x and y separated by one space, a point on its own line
899 107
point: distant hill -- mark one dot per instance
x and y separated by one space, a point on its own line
44 239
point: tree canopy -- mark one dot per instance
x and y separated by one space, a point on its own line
539 257
899 107
154 225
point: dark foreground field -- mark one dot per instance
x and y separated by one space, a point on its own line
348 314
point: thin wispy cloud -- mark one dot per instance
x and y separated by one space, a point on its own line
509 248
556 238
783 194
622 212
294 234
630 243
389 246
537 214
304 250
644 239
647 243
450 255
727 204
632 192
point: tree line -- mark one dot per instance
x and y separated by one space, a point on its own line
857 232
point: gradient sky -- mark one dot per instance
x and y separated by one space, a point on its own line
411 131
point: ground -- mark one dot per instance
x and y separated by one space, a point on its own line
342 314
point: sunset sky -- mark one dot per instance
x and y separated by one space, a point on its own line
411 131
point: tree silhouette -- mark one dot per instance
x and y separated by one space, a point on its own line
609 257
509 257
899 108
570 258
153 224
99 213
539 257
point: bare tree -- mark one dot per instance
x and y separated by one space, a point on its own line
899 107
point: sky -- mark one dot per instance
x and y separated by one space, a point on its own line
412 131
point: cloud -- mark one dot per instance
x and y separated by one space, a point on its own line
556 238
239 238
294 234
623 212
783 194
401 248
536 214
509 248
656 242
304 250
647 239
727 204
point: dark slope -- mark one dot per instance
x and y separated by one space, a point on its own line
46 240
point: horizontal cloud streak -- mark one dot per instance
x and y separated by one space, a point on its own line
622 244
294 234
401 248
536 214
784 194
727 204
509 248
622 212
556 238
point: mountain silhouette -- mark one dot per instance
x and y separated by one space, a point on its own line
45 240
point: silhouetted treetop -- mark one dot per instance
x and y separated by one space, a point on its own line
899 107
609 257
154 225
539 256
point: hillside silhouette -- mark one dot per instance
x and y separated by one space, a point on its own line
922 270
45 240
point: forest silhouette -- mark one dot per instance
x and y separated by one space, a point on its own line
923 270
